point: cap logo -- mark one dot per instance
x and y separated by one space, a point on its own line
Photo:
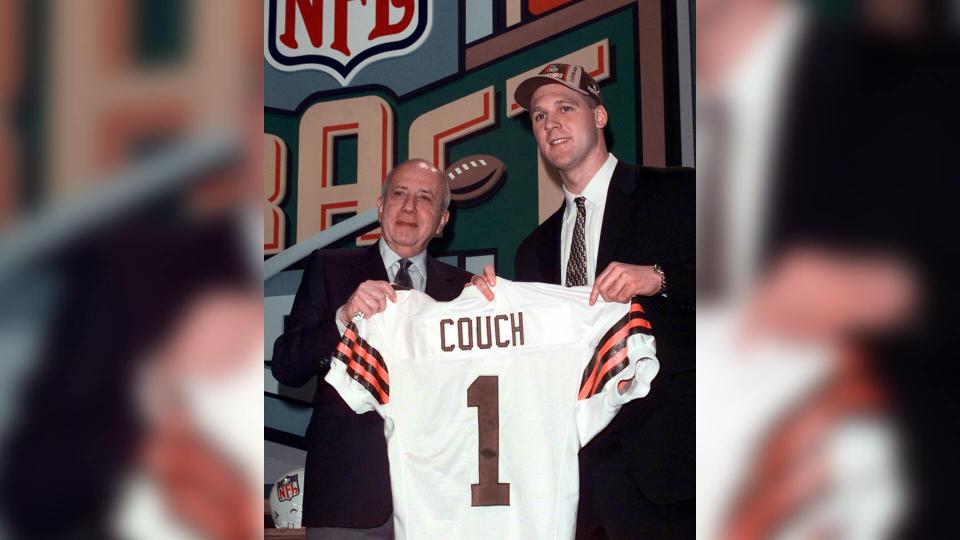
572 76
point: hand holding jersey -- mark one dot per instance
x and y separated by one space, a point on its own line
619 282
369 299
486 404
484 282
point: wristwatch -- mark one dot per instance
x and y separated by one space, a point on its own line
663 280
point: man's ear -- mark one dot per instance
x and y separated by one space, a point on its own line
444 217
600 114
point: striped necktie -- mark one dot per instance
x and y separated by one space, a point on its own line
577 263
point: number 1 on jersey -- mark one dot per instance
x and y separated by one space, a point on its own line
484 394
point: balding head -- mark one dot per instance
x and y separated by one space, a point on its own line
422 166
412 207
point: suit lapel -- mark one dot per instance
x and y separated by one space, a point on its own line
373 267
618 212
439 281
549 255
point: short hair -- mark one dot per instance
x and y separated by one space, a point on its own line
445 186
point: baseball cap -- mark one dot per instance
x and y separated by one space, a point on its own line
572 76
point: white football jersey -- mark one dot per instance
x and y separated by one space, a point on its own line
487 404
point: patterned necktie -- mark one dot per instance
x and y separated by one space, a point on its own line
577 263
403 278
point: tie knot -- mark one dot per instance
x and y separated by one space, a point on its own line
403 277
581 202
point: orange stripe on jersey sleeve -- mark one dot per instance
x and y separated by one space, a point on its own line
588 382
359 371
622 334
344 348
364 364
374 360
613 343
345 351
610 368
351 332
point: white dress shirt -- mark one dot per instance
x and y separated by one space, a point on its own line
596 200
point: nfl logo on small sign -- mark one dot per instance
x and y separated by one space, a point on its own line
288 487
341 37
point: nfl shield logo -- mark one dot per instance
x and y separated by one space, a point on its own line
288 487
341 37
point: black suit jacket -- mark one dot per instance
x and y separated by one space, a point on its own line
348 481
648 219
866 162
121 290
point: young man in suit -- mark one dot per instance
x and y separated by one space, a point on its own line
348 483
625 231
839 230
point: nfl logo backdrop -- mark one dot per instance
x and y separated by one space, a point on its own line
341 37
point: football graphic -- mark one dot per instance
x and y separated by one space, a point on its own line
473 178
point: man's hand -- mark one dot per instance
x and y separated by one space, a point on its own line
484 282
217 329
370 298
619 281
813 293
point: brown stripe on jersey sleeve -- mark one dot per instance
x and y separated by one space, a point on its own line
364 364
368 359
611 369
368 379
589 371
375 358
610 355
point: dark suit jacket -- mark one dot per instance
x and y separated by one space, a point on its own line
348 481
866 162
648 219
121 289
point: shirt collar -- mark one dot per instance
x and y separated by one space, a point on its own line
596 190
390 258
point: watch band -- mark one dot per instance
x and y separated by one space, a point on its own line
663 280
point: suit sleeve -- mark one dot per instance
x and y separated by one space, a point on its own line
624 352
311 333
358 370
680 193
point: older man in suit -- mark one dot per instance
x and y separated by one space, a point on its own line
348 483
